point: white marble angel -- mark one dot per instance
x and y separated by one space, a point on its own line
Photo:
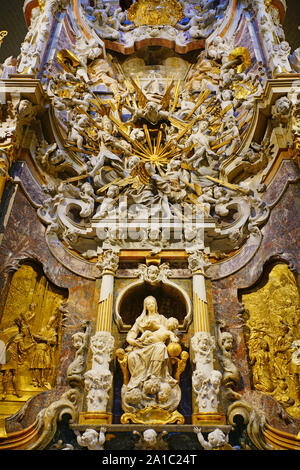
215 440
107 202
92 439
201 141
149 439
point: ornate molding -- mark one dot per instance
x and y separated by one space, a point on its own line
46 422
153 415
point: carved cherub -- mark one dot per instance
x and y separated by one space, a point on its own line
151 440
179 364
51 158
230 371
154 274
157 332
107 202
87 198
77 124
123 360
201 141
80 342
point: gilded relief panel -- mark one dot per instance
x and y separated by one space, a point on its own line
155 13
273 337
30 337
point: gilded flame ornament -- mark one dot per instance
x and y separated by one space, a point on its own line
243 55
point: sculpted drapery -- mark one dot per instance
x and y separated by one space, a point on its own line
151 382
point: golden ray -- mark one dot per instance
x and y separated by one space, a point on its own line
241 115
166 84
202 97
104 188
167 97
220 138
235 187
224 111
176 123
122 128
138 145
164 149
70 146
76 178
98 100
241 124
188 127
141 148
142 154
148 138
158 141
176 94
222 144
141 98
160 171
130 89
211 103
83 111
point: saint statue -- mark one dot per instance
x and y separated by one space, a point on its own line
152 341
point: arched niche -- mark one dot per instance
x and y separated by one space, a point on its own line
30 313
172 301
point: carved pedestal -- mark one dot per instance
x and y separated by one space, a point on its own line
99 379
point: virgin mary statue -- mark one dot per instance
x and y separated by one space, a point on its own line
151 382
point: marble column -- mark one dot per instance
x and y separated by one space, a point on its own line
206 380
99 379
197 264
108 264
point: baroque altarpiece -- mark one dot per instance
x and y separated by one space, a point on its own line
149 228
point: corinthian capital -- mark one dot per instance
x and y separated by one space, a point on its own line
198 262
109 261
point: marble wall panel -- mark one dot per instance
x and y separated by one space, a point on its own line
280 241
24 239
